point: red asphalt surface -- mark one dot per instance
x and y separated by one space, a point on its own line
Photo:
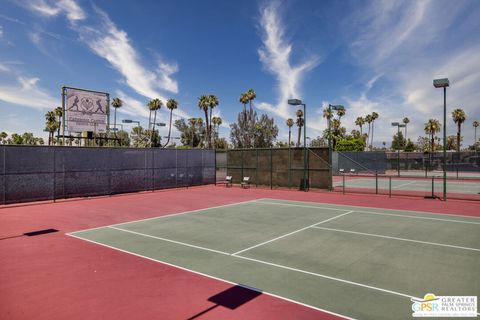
54 276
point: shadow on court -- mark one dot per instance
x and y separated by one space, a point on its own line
232 298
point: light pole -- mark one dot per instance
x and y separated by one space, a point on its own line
335 107
444 83
398 125
298 102
131 121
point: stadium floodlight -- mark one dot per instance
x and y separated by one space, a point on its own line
298 102
444 83
441 83
127 121
161 124
294 102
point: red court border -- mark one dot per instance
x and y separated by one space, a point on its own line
54 276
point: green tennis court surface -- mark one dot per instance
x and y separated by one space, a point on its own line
363 263
453 186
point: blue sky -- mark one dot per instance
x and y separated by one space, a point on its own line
367 55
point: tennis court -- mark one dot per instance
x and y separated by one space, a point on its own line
354 262
456 188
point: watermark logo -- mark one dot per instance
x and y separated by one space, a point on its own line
444 306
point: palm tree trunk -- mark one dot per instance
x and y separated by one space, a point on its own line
250 106
289 136
210 129
149 119
361 133
206 125
169 129
371 144
59 126
299 135
432 143
405 134
458 136
153 129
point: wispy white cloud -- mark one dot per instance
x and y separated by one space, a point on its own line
113 44
275 55
47 9
28 93
409 44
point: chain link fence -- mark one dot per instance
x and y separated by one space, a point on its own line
275 167
34 173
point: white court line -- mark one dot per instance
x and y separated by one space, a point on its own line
371 212
383 209
212 277
400 239
327 277
404 184
167 215
290 233
169 240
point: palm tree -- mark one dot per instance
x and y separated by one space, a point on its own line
153 105
59 113
340 113
204 104
172 104
475 125
406 121
360 121
251 95
459 117
327 114
289 125
374 117
432 126
212 103
368 119
51 125
244 100
116 103
217 121
193 123
300 123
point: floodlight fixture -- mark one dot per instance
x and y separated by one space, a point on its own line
294 102
441 83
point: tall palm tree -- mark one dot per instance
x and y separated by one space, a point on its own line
459 117
251 95
406 121
475 125
59 113
116 103
300 124
217 121
244 100
368 119
204 104
360 121
51 125
374 117
432 126
289 125
212 103
153 105
172 104
340 114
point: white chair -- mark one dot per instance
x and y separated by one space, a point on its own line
245 182
228 181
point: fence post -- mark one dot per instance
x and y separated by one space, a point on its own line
54 176
433 187
343 179
256 168
457 172
4 175
376 182
241 178
271 169
289 167
109 171
389 186
153 170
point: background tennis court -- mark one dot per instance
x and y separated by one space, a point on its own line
357 262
